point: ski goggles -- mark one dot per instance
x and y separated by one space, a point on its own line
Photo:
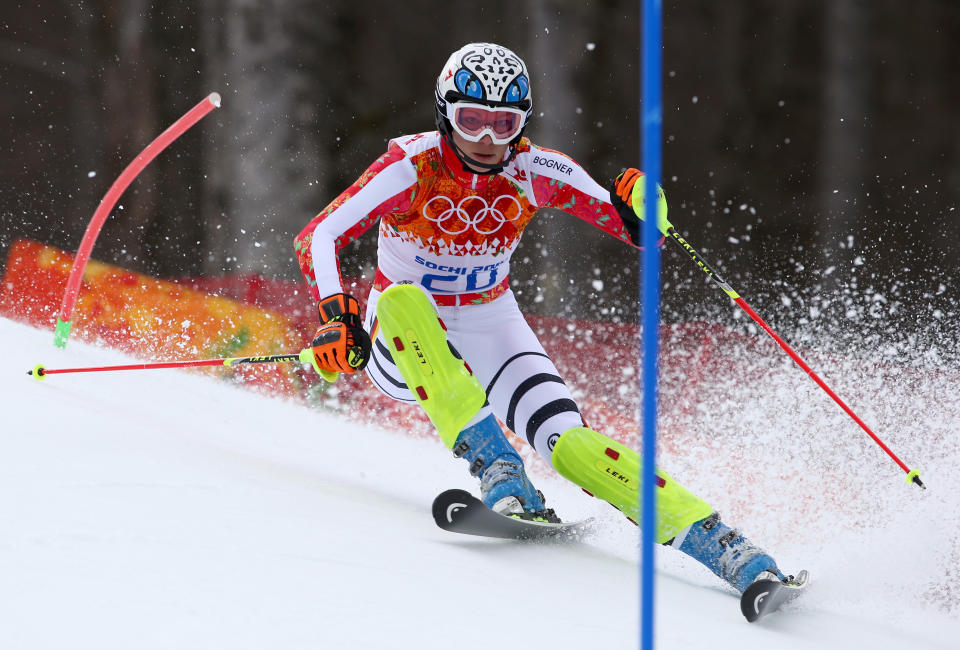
473 121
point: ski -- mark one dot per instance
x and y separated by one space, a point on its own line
766 596
458 511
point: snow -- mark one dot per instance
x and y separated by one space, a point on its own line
167 509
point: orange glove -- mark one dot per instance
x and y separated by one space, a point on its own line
341 344
623 185
621 196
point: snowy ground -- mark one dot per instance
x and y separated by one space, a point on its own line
162 509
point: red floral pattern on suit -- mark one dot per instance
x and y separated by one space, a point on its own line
443 226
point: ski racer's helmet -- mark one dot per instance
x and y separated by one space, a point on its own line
484 89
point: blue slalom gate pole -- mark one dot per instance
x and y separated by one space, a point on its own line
651 102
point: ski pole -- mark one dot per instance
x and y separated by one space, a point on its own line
305 356
913 476
667 229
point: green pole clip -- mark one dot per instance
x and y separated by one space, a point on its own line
61 333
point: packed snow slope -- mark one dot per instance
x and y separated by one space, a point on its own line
165 509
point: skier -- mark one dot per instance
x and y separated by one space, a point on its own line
442 327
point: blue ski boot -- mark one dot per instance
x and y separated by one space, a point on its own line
726 552
504 486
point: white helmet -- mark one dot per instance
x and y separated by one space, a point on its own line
486 74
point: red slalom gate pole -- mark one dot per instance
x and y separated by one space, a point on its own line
178 128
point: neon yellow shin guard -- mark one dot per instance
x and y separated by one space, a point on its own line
611 471
441 383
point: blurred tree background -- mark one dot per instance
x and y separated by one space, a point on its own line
812 146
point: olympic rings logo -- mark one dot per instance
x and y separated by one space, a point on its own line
454 219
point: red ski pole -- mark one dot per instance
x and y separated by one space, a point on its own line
665 227
913 476
305 356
